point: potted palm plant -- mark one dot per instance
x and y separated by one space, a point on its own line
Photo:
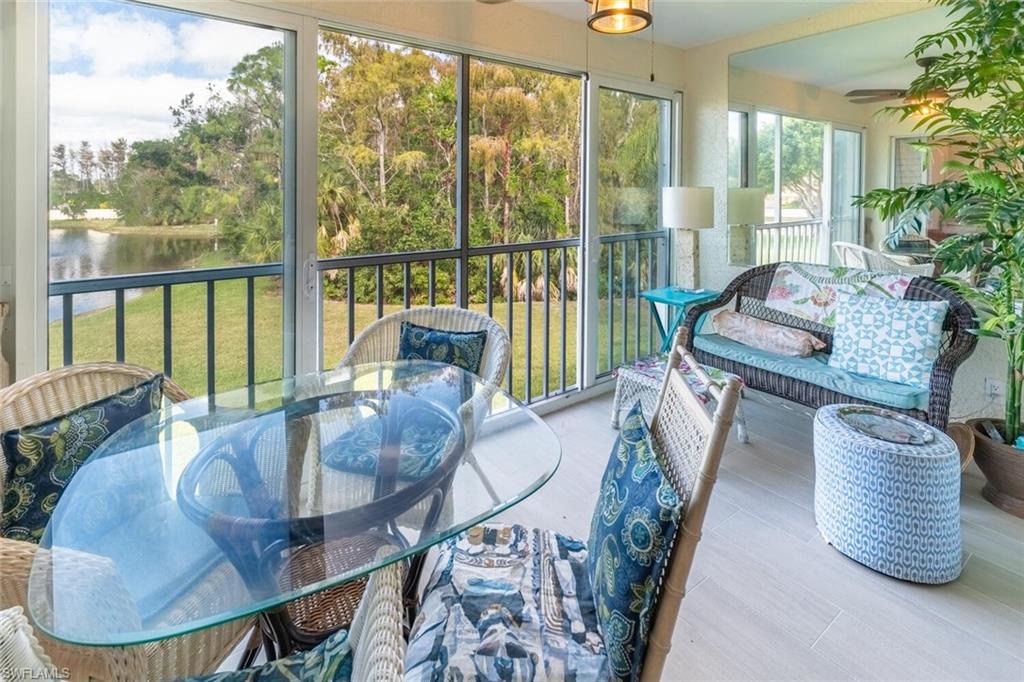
970 103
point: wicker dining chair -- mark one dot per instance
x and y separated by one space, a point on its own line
317 615
50 394
689 442
379 342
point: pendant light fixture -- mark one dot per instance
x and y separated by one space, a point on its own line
619 16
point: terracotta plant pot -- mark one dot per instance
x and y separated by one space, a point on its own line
1003 466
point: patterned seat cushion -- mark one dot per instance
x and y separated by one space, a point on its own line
329 661
506 602
462 349
42 458
357 450
653 368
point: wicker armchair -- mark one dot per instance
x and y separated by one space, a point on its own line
747 293
317 615
379 341
43 397
857 256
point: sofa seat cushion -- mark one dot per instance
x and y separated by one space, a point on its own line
816 370
506 602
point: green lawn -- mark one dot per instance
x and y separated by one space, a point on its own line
94 335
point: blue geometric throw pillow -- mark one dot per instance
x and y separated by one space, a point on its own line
633 529
890 339
42 458
462 349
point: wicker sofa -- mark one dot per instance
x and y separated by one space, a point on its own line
747 293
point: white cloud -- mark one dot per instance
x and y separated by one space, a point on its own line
216 46
103 108
114 42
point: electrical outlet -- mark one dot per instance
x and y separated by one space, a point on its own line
993 388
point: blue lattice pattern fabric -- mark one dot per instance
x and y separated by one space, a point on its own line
888 339
892 507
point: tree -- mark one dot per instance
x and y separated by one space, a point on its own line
86 164
801 162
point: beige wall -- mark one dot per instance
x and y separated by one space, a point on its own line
786 96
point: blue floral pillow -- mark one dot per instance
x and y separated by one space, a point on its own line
633 528
42 458
462 349
890 339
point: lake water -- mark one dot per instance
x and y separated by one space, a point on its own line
83 254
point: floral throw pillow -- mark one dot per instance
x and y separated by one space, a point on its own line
462 349
892 340
632 531
42 458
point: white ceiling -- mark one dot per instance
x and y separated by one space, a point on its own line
872 55
685 23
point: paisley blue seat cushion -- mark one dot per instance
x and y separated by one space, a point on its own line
329 661
356 451
632 531
505 602
42 458
462 349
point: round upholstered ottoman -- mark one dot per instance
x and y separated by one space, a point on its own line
894 507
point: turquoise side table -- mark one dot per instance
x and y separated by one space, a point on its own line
679 300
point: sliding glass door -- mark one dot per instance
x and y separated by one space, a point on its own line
846 183
632 157
170 192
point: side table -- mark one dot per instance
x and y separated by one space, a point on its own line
894 507
678 301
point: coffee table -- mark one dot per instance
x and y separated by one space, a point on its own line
261 490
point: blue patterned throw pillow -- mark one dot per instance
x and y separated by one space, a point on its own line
42 458
462 349
889 339
632 531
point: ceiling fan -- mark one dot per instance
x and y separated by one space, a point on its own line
872 96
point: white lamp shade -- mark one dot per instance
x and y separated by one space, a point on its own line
746 206
688 208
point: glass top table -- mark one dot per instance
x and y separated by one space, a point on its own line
218 507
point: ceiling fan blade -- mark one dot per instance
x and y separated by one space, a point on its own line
873 100
878 92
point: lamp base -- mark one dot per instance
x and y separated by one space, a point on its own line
742 245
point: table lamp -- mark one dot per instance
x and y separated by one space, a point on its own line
688 208
745 210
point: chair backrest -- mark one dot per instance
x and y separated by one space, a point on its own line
851 255
379 341
49 394
857 256
690 442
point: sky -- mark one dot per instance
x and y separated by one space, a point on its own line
116 68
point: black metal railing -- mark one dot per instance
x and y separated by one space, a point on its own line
801 241
167 283
532 289
630 263
516 284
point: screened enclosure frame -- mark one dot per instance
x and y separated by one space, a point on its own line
300 267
